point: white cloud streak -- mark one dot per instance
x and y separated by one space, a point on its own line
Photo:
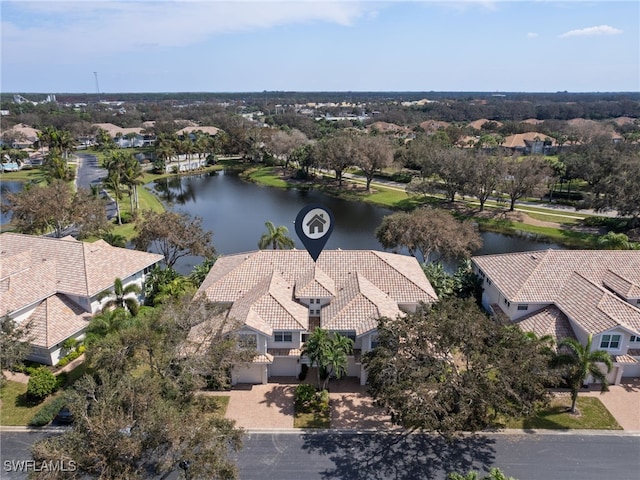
97 28
532 35
600 30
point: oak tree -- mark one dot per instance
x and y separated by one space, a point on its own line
429 232
174 235
449 368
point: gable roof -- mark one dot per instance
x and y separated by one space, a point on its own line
33 268
548 321
364 285
54 320
576 281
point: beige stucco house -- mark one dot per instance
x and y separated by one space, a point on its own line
571 293
279 296
53 285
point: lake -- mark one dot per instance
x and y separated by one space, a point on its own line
7 187
236 211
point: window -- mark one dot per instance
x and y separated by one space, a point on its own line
507 302
313 300
634 339
610 342
488 281
348 333
282 336
248 340
481 273
523 307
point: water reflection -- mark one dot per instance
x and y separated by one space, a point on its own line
236 211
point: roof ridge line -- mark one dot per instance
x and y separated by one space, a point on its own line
410 280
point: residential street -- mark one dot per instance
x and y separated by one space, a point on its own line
372 456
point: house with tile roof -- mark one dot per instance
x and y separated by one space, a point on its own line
53 284
530 143
571 293
280 296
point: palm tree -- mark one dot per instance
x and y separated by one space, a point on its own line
580 362
106 322
114 181
132 177
328 351
121 297
276 237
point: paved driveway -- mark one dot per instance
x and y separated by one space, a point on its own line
623 401
271 406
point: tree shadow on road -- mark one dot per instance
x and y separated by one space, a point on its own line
399 456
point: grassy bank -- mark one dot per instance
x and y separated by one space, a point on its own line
564 237
397 199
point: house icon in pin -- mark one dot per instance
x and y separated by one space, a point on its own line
316 224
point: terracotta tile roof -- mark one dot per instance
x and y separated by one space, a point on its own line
263 358
623 359
477 124
622 286
208 130
538 276
56 319
81 268
519 140
314 283
548 321
367 284
573 280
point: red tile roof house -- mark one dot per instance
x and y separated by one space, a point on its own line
279 296
571 293
54 283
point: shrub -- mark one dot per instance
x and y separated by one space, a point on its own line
61 380
305 394
323 400
47 412
42 383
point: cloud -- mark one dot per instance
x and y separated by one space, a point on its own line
106 27
532 35
592 32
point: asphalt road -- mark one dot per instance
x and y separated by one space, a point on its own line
379 456
89 171
371 456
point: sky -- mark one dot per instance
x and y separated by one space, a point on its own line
318 45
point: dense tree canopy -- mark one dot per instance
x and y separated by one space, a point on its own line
448 367
56 207
137 415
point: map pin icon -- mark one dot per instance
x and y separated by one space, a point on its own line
314 225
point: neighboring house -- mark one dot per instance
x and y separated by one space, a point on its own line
530 143
127 137
20 136
571 293
53 284
191 131
279 296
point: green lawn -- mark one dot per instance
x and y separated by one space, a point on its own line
34 175
312 419
18 410
592 416
267 176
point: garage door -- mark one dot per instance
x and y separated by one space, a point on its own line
251 374
631 370
284 367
